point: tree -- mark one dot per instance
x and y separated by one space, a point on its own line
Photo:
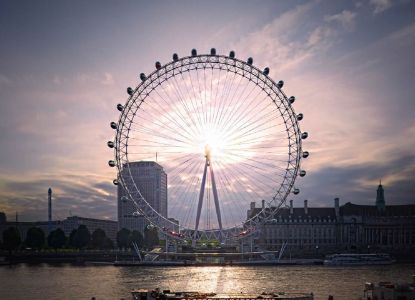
82 237
108 244
98 239
3 218
11 239
56 239
137 237
123 238
35 238
71 240
151 237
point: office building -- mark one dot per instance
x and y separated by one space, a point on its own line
151 179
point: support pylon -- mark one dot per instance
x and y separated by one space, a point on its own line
208 163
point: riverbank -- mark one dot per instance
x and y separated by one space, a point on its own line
120 258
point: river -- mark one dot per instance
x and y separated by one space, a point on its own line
65 281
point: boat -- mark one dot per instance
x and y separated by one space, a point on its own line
389 290
352 259
156 294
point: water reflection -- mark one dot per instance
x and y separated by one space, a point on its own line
108 282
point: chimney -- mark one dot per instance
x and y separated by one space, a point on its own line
336 207
252 205
306 207
291 207
50 204
263 204
49 210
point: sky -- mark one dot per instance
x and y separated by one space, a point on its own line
64 65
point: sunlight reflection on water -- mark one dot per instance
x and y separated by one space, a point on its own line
108 282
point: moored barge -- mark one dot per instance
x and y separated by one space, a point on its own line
145 294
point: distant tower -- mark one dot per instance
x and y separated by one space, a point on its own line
380 198
49 209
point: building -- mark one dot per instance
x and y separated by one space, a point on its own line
110 227
350 227
151 180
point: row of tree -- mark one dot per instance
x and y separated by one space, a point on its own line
80 238
125 238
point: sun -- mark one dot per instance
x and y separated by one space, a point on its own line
214 143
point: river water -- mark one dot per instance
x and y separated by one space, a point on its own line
66 281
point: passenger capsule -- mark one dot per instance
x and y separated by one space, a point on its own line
213 51
291 99
266 71
115 182
232 54
304 135
110 144
302 173
130 91
306 154
175 57
280 84
143 76
111 163
113 125
194 52
300 116
296 191
158 65
249 61
120 107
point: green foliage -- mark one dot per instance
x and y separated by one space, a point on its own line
123 238
79 238
137 237
108 244
99 239
82 237
56 239
151 237
71 240
2 217
35 238
11 238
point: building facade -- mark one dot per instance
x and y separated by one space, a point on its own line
350 227
151 180
110 227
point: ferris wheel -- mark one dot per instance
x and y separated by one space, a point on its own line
225 134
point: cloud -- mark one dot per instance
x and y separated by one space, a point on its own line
4 80
320 37
357 183
86 195
273 42
380 5
356 99
108 79
346 19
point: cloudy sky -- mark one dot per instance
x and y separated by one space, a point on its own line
64 65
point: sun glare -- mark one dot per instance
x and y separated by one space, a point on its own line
214 143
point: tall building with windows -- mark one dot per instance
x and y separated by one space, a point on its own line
151 180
